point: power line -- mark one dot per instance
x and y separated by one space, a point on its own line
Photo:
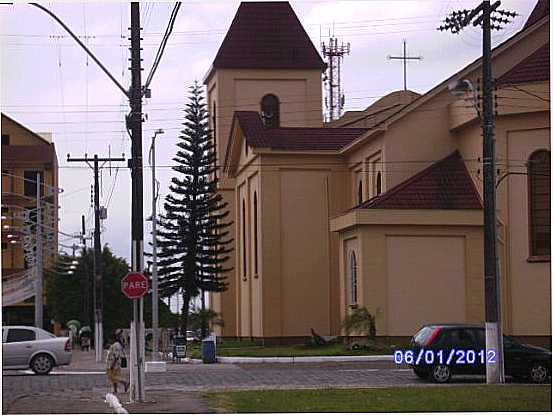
162 46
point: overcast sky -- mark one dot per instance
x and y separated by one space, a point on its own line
48 84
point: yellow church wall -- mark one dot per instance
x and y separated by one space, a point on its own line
299 92
298 253
364 165
530 281
229 90
397 274
420 139
526 285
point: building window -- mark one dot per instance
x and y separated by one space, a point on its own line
270 111
29 185
244 269
360 192
353 277
378 183
255 232
539 203
5 139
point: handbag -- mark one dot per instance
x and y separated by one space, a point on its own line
123 362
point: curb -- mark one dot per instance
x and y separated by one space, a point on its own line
306 359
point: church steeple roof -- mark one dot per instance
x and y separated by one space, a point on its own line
267 35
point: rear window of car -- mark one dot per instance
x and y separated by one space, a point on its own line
423 334
20 335
43 334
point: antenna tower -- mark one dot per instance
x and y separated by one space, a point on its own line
334 99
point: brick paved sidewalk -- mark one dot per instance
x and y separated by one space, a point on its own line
84 402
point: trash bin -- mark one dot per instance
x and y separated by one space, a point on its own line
208 351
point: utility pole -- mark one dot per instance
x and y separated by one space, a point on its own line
492 282
155 293
134 121
98 263
335 98
39 281
83 231
134 124
405 58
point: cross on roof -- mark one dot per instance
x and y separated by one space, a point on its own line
405 58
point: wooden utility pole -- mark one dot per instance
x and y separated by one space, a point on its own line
492 280
98 263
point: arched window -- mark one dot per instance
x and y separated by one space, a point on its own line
244 269
378 183
270 111
255 232
353 277
539 203
360 192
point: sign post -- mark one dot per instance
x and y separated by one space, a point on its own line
134 286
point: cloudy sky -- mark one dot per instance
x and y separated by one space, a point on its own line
48 84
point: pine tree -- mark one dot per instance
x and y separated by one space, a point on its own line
193 237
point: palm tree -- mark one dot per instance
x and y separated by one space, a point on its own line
360 321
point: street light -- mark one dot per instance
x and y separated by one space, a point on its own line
155 194
462 88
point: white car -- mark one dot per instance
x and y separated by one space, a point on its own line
25 347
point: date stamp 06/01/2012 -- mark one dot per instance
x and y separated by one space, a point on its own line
445 357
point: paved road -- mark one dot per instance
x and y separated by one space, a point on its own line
194 377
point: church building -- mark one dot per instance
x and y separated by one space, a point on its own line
383 207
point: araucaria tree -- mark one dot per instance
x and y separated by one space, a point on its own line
193 240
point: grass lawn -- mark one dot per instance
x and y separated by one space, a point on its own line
413 399
251 349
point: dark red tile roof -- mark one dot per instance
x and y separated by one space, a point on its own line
293 138
444 185
267 35
534 68
540 11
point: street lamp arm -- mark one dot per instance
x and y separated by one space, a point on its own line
503 177
82 45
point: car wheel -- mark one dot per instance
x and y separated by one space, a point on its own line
538 373
42 364
440 374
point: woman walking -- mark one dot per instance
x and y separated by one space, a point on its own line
116 354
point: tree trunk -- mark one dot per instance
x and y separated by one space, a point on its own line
184 314
204 317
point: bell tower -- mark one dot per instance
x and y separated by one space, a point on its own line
267 64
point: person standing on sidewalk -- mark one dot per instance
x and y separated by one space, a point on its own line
114 360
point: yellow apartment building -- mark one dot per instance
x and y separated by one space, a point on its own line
24 155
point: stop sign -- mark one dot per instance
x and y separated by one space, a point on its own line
134 285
